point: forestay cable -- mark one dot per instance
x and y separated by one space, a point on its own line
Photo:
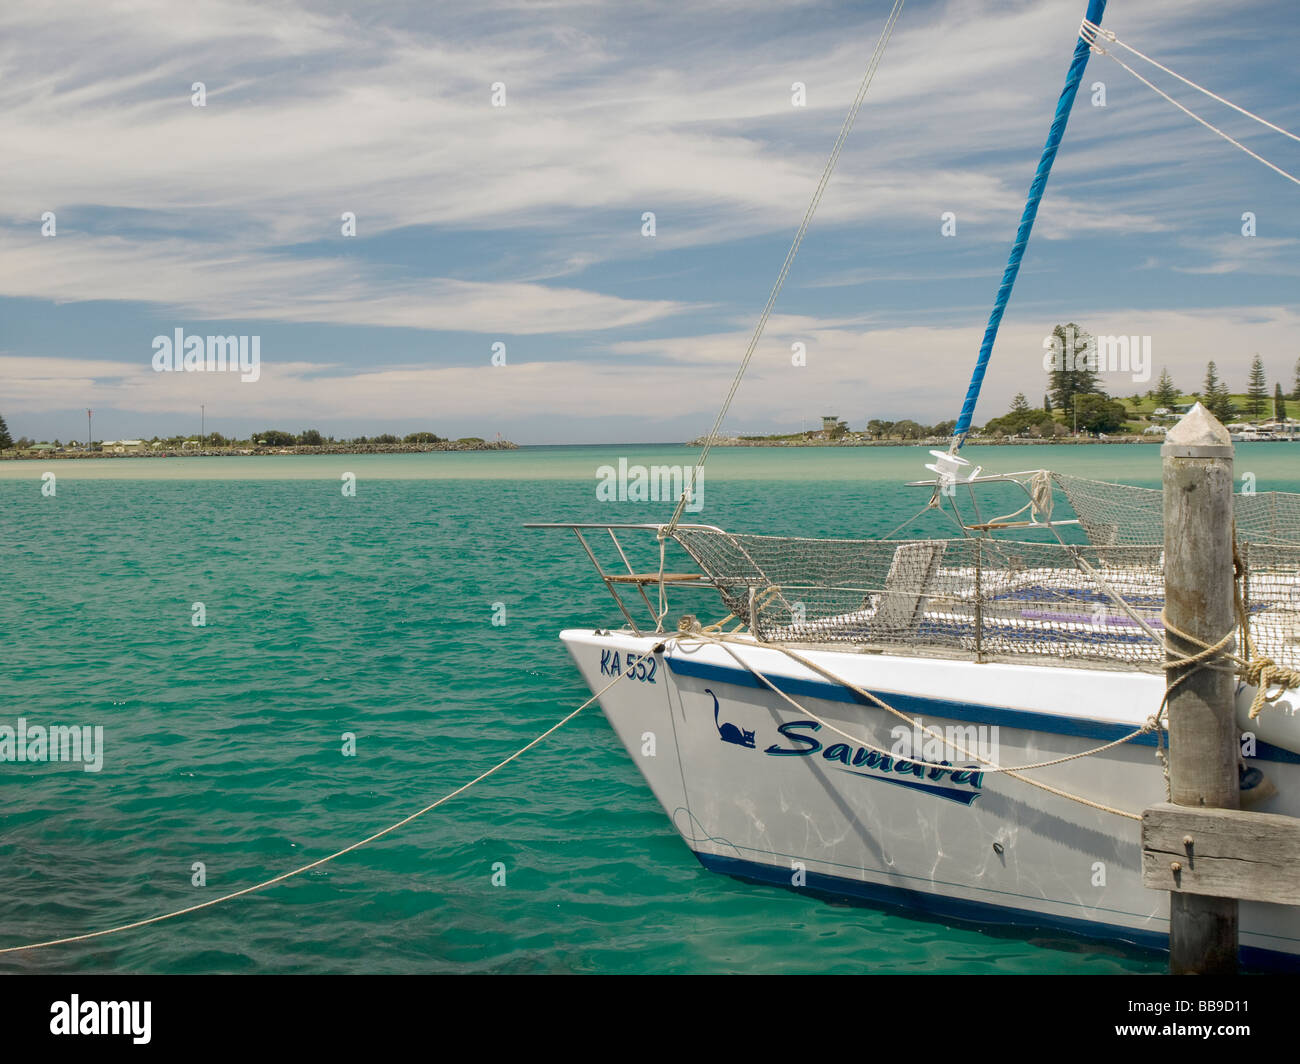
885 34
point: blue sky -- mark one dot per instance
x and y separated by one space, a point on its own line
523 224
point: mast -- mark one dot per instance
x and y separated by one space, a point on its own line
1082 49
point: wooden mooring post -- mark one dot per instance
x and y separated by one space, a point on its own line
1202 847
1203 743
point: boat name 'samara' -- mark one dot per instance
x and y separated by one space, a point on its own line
883 765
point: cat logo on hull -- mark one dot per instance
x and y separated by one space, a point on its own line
728 731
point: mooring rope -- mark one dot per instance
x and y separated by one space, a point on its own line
324 860
1269 679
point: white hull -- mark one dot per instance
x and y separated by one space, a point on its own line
793 809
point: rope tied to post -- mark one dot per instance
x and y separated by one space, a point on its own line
1269 679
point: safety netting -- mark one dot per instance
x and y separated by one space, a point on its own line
980 596
1117 514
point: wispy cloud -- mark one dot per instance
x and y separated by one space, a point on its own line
1256 254
226 282
526 219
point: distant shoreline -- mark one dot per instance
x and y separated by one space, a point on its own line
935 441
242 452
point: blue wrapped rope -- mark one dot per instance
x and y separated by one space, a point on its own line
1096 8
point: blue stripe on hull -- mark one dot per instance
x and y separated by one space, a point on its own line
919 705
977 913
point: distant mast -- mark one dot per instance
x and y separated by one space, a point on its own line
1096 8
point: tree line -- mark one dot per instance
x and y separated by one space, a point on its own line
1075 391
312 438
266 438
879 429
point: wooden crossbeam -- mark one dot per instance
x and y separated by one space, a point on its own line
1224 853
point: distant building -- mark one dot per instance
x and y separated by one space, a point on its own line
832 428
122 446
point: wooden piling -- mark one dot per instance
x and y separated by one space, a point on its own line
1203 751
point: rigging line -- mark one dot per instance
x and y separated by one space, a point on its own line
323 860
1109 35
931 505
885 34
1191 114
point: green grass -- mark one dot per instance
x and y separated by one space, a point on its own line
1141 412
1240 402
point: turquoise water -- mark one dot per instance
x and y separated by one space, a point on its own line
373 615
